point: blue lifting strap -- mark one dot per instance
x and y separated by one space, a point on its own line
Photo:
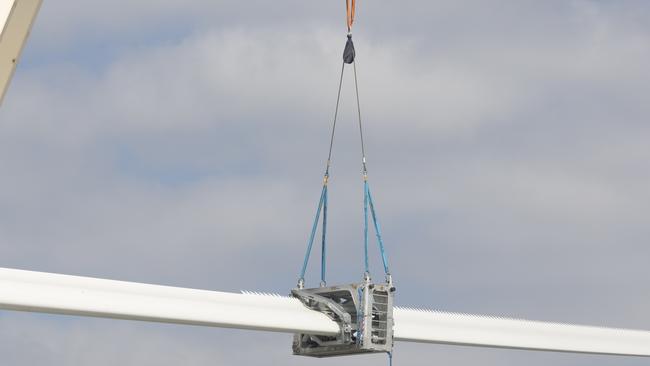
323 257
368 202
365 226
322 205
380 241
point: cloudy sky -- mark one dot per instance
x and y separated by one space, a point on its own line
183 143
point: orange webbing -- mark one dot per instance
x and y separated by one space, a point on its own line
349 6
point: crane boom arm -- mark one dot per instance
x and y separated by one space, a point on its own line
16 19
73 295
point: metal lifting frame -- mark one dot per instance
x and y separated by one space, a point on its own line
364 313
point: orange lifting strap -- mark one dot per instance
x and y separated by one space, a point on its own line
350 5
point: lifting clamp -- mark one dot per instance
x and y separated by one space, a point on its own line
363 311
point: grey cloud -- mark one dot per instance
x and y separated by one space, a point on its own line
507 146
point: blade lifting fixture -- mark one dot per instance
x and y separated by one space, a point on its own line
363 311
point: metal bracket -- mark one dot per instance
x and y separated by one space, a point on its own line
328 307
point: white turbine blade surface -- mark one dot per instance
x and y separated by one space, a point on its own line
474 330
73 295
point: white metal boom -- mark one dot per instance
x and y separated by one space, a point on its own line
74 295
16 19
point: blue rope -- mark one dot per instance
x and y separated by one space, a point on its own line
380 241
323 258
365 225
313 232
367 201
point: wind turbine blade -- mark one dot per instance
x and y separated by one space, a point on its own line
74 295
